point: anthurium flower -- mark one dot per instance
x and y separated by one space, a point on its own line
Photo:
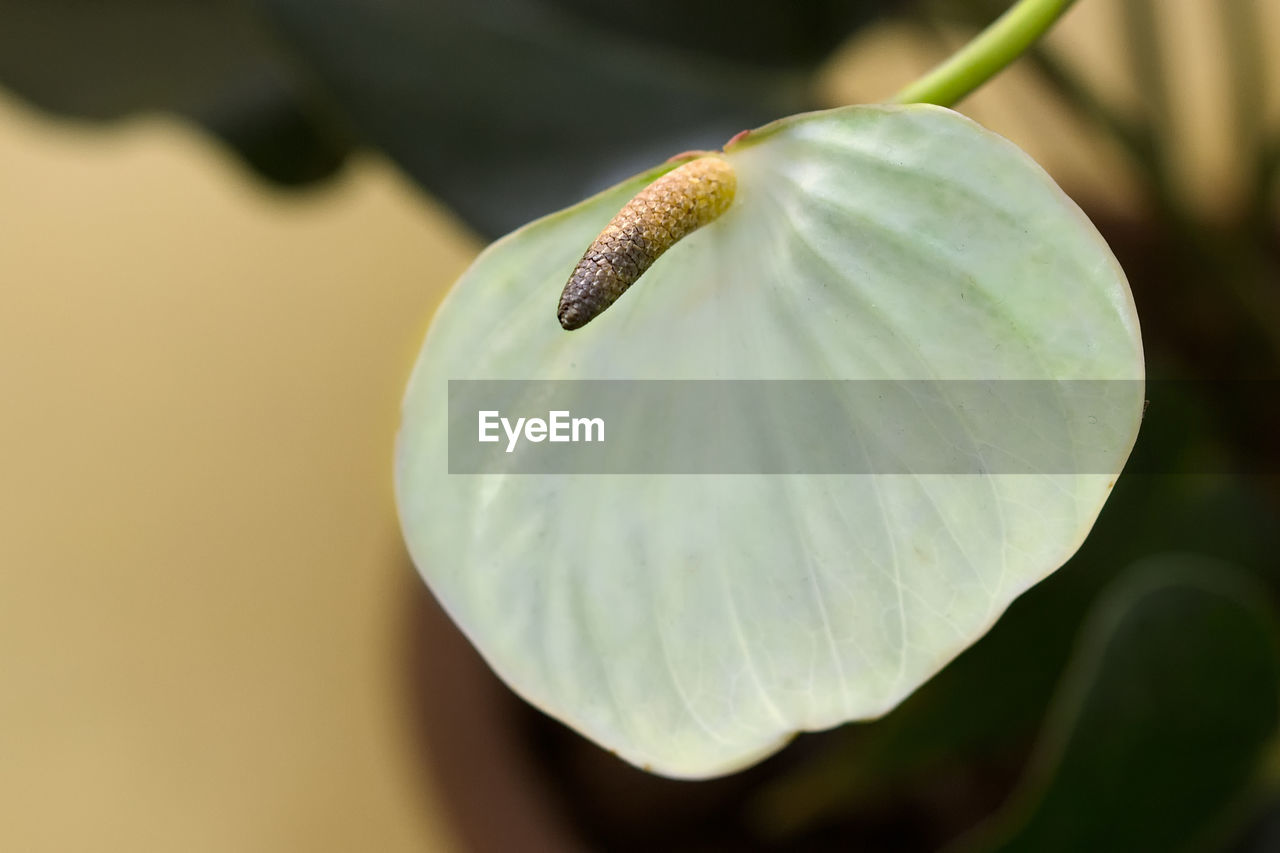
694 622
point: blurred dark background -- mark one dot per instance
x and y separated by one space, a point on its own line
202 599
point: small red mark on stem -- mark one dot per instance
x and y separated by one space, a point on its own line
737 137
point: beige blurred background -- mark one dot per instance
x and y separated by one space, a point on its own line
201 579
201 583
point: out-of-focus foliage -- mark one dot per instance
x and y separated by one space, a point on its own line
206 60
505 110
510 109
751 32
1162 720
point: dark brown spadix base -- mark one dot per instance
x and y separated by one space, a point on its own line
669 209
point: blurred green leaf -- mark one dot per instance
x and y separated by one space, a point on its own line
1263 833
1161 722
509 109
504 109
207 60
753 32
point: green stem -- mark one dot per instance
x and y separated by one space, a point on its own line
987 55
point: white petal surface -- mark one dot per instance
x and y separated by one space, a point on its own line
690 623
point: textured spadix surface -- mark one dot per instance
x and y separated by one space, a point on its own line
692 624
